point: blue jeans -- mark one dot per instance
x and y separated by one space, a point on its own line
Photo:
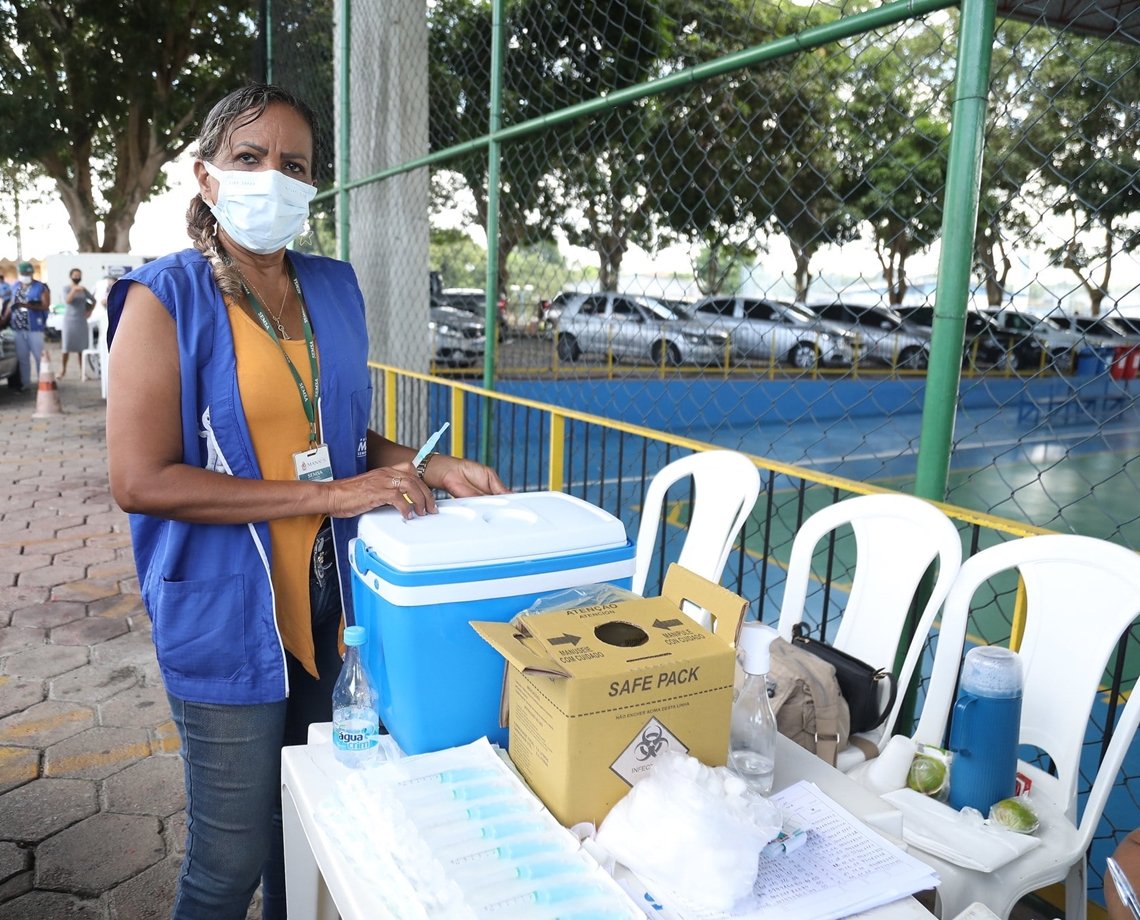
232 769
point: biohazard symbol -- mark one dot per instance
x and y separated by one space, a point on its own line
651 743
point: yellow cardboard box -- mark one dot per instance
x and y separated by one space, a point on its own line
594 695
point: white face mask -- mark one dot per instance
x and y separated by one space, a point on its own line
261 211
26 279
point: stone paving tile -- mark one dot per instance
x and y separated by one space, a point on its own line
89 631
87 556
142 705
147 896
134 648
46 660
92 684
18 765
39 809
150 787
50 905
98 853
16 885
17 563
45 724
96 753
165 740
17 693
15 638
87 590
52 613
51 576
118 605
15 597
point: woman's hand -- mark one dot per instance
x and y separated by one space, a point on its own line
396 485
462 478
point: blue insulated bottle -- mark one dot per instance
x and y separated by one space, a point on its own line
984 729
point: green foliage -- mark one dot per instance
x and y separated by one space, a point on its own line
100 94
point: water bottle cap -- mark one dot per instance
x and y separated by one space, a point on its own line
354 635
992 671
755 639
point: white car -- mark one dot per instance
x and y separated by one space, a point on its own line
882 335
765 330
458 337
632 326
1052 338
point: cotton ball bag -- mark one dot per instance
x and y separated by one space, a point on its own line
693 829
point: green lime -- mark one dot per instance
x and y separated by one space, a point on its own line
1014 814
927 775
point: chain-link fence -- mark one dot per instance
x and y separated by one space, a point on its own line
729 221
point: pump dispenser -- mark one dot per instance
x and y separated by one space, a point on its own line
752 743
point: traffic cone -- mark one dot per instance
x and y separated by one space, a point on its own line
47 396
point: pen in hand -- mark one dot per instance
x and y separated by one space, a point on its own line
429 445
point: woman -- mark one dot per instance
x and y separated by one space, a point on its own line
75 333
237 438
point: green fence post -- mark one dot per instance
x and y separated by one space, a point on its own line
959 221
344 10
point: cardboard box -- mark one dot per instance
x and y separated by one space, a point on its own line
594 695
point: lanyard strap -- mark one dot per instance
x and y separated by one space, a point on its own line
307 403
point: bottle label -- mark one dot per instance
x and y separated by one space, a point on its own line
355 729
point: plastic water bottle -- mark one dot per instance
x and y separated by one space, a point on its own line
356 722
752 743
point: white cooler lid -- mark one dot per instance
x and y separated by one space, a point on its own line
490 528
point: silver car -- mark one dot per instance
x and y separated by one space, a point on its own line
458 338
882 335
768 330
632 326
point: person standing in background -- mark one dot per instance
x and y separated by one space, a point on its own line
75 332
31 302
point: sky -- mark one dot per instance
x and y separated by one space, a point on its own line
160 226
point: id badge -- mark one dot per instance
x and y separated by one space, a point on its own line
313 465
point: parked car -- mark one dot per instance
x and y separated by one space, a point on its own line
8 359
470 300
882 336
458 337
552 310
1100 331
1059 343
760 329
632 326
986 343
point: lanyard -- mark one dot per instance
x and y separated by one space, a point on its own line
307 402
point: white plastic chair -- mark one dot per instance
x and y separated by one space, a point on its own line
897 537
1082 595
726 485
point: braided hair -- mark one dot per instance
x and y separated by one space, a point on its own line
234 111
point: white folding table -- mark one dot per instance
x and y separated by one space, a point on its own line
322 885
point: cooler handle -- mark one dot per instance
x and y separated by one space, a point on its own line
957 728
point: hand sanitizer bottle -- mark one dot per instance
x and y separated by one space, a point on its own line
356 721
752 743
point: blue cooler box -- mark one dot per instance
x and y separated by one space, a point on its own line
416 585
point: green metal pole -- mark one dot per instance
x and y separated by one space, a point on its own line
959 221
343 157
494 153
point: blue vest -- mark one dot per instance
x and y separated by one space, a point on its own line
206 587
30 293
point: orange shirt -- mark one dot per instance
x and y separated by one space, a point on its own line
279 429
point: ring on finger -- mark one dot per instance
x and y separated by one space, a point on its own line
408 498
396 481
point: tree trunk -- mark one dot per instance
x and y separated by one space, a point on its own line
803 278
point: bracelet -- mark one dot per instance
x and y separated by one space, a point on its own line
423 464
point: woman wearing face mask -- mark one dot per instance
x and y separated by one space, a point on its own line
237 436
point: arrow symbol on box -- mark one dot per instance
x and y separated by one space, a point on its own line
566 639
665 624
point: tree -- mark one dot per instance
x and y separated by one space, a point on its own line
897 139
1093 169
555 55
101 94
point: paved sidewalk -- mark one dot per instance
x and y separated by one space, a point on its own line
91 823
